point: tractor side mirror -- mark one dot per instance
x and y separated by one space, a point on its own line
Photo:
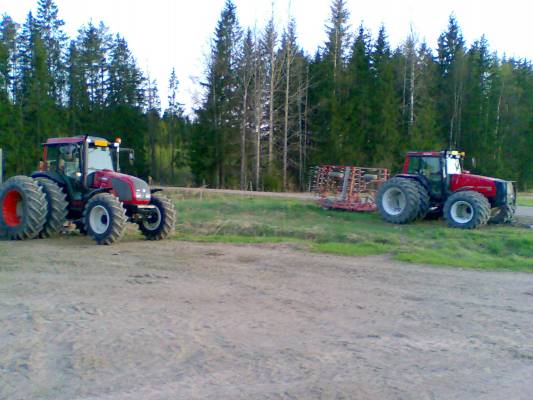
132 157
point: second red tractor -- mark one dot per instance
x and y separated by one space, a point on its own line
434 183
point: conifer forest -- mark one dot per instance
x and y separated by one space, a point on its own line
269 111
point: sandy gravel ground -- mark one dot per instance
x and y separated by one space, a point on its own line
176 320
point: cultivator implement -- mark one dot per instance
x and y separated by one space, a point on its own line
347 188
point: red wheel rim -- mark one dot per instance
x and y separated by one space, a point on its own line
11 209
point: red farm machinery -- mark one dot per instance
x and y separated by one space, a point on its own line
347 187
431 185
79 180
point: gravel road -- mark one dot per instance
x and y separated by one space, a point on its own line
177 320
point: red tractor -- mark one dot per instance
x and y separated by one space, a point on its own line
79 180
434 183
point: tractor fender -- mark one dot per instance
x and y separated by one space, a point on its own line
94 192
420 179
50 175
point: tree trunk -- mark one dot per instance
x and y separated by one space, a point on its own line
271 110
243 135
286 120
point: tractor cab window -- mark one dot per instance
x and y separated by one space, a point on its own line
453 166
64 160
427 166
100 158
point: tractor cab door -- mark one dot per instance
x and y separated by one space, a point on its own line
431 170
65 161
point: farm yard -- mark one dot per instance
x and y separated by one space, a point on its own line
262 298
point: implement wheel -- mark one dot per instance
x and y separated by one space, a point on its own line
161 223
105 219
23 208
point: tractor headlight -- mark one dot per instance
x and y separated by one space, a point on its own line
510 192
142 194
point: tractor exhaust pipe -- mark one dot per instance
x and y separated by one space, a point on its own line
85 159
1 167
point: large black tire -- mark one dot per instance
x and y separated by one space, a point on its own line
23 208
56 215
105 219
399 201
503 215
424 200
467 210
162 223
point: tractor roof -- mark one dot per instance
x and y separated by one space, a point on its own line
449 153
424 153
70 140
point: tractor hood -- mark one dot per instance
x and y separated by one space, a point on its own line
129 189
498 191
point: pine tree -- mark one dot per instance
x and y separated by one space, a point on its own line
54 41
385 105
451 56
272 67
219 114
357 108
334 59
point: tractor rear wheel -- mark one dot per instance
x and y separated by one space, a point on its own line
162 222
503 215
424 200
56 215
467 210
23 208
105 219
399 201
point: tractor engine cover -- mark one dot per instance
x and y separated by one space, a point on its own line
500 192
129 189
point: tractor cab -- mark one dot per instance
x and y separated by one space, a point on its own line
73 161
434 169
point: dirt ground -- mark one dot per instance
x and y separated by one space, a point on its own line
177 320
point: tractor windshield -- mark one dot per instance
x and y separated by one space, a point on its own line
100 158
453 166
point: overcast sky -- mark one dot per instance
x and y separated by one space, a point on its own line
173 33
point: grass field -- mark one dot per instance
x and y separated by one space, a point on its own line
223 218
525 199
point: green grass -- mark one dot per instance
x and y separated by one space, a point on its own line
233 219
525 200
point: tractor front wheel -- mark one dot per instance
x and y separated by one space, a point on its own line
399 201
23 208
467 210
105 219
161 223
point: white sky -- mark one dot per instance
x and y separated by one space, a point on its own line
176 33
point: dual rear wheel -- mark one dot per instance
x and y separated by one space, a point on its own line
401 201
